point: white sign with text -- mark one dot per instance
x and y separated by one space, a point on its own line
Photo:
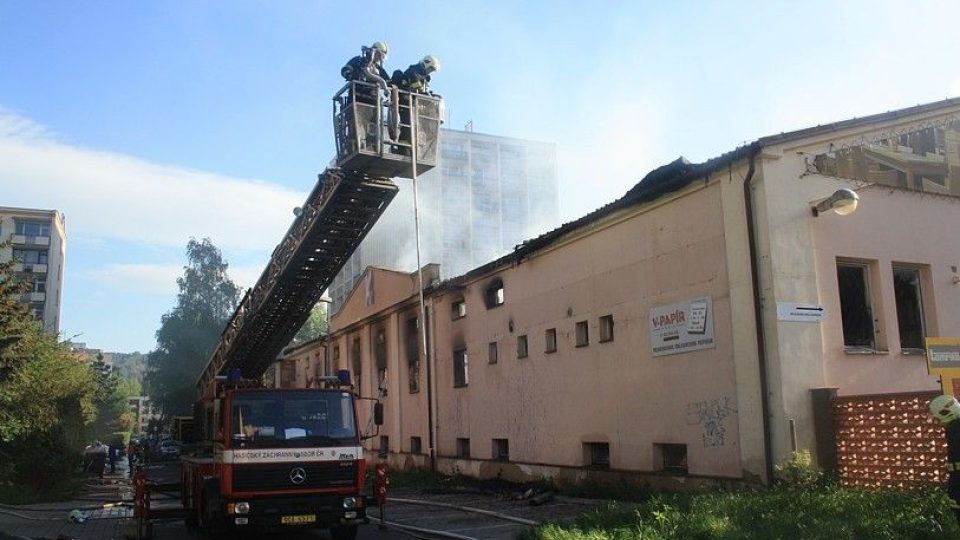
793 311
683 327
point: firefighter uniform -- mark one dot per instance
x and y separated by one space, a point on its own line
946 409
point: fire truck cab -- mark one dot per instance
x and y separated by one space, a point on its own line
277 458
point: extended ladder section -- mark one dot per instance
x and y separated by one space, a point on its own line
339 212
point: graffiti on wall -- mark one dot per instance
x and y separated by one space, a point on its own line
711 416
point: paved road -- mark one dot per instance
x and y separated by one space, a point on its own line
109 523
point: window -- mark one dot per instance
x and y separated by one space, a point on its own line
493 295
606 328
336 359
356 361
380 348
906 290
492 352
461 373
384 445
463 448
856 313
521 346
583 334
670 458
30 256
416 446
39 285
550 340
32 228
501 449
413 355
596 455
458 309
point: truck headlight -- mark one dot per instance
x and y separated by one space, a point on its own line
242 508
349 503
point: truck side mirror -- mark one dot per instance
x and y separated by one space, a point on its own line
378 414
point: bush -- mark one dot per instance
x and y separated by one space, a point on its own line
798 471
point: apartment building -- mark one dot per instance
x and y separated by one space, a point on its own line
681 333
142 407
38 244
487 194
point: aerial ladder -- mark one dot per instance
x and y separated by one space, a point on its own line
293 457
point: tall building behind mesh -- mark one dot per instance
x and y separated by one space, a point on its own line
488 194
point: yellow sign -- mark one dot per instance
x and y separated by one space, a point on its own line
298 520
943 359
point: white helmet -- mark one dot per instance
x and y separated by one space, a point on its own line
945 408
431 62
381 46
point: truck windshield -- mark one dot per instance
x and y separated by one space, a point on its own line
292 419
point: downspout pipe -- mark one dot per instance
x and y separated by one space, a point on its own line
758 313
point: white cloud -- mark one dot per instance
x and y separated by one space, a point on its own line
114 196
159 279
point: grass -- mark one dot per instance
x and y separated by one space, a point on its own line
813 512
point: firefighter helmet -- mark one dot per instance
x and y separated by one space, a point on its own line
431 62
381 46
945 408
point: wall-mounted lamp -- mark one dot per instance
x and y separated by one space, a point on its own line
843 201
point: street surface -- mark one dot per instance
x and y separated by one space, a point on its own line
111 522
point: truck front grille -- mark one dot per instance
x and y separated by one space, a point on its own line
328 474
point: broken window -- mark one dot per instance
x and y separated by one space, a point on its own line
906 289
671 458
606 328
501 449
521 346
458 309
924 159
550 340
856 312
596 455
583 334
492 352
463 448
461 375
493 296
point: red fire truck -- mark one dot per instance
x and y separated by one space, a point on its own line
280 457
293 457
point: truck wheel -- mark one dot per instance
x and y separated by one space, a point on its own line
344 532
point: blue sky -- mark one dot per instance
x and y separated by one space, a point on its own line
147 123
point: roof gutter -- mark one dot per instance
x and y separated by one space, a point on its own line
758 314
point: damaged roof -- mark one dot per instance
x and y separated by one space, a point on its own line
675 176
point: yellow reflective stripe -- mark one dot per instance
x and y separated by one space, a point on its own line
955 466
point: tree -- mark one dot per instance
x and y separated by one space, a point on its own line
315 325
46 396
189 332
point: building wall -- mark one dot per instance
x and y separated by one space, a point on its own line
548 405
797 254
54 246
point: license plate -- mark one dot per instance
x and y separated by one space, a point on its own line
297 520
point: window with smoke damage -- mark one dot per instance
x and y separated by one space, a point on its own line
596 455
501 450
461 373
458 309
492 353
463 448
493 294
416 446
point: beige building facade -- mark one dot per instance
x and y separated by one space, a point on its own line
680 333
38 243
